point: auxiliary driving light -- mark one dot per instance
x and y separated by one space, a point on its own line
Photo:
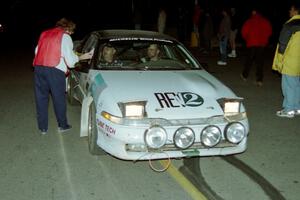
184 137
235 132
210 136
155 137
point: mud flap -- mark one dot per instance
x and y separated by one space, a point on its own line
84 115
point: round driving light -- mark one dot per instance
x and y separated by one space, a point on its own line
210 136
184 137
235 132
155 137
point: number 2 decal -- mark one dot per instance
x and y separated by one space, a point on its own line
191 99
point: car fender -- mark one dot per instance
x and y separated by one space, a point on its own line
85 115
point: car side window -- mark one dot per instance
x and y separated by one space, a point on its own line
84 46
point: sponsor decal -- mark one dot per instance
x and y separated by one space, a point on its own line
140 38
180 99
97 86
106 128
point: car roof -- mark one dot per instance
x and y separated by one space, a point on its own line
118 33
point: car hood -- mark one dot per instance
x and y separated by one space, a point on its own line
169 94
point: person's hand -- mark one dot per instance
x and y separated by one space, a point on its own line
87 55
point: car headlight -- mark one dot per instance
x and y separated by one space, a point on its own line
134 109
230 106
155 137
184 137
210 136
235 132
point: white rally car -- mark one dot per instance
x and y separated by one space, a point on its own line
135 108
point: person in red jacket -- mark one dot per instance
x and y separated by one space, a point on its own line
53 56
256 31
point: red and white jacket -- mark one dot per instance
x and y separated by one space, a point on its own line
55 49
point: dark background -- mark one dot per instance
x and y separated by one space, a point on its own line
24 20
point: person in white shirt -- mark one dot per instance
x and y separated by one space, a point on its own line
53 56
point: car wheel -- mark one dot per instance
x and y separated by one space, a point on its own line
70 91
93 133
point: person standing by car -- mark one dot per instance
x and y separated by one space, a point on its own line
53 55
286 62
256 31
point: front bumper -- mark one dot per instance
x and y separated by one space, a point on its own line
127 142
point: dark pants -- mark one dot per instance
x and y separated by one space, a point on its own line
254 55
223 48
49 80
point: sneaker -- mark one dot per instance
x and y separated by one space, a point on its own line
65 129
283 113
243 77
43 131
223 63
232 55
259 83
297 112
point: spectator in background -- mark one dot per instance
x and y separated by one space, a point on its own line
196 20
137 19
161 20
223 36
182 23
256 31
207 32
286 61
233 33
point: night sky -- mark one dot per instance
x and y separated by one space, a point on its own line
26 19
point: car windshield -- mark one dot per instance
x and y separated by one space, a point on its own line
142 54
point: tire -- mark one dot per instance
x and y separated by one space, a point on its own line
94 149
70 92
